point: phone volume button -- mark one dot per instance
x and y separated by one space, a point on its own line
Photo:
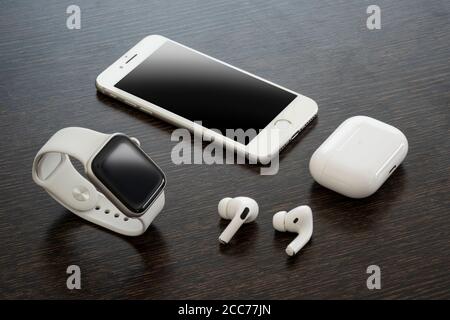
127 102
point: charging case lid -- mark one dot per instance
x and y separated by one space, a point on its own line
358 157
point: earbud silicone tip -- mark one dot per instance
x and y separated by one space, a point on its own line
222 207
278 221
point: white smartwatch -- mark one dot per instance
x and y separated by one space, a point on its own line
124 189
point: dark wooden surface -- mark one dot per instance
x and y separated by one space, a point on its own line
399 74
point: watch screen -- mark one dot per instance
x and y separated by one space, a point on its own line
128 173
199 88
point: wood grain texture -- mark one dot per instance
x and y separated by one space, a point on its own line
399 74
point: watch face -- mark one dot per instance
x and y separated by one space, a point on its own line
128 173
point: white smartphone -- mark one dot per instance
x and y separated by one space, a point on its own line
184 87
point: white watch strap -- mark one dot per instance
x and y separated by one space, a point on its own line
53 170
80 143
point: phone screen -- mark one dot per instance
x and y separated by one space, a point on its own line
199 88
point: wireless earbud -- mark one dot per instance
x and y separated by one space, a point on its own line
240 210
298 220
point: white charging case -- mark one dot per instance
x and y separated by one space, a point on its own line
358 157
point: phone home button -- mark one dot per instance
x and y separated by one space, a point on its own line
282 124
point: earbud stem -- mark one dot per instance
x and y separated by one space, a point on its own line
298 243
231 229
